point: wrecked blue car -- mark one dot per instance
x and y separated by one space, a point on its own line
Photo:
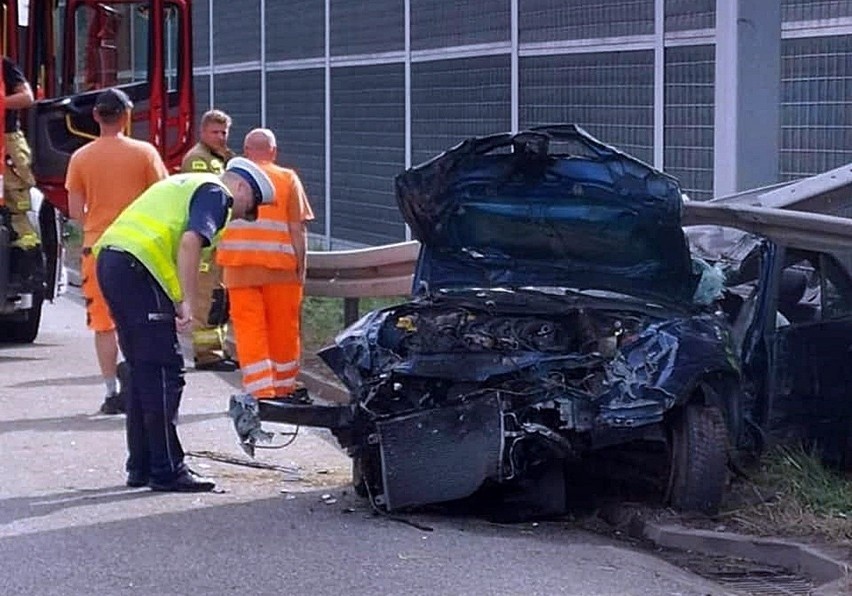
556 311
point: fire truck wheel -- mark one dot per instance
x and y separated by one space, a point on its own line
23 331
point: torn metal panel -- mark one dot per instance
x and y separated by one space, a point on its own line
651 375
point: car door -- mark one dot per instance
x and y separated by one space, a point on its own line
812 352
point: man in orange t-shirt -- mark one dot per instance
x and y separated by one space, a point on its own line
264 266
103 178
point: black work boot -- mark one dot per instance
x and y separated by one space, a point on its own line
113 404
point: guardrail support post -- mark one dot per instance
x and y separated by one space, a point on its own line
350 311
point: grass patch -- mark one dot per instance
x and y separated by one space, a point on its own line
800 475
794 494
322 318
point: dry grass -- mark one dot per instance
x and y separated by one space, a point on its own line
793 494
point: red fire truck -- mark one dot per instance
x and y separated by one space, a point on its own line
69 50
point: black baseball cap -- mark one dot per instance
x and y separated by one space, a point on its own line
113 101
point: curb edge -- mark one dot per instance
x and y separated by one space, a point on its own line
829 573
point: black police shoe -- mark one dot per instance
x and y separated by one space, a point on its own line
223 365
186 482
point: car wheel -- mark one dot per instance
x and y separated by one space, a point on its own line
26 330
698 459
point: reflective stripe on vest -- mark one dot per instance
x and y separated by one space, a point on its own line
264 243
151 227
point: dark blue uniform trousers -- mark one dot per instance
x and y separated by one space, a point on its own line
145 320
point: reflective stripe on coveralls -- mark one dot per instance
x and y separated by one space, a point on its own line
262 243
152 226
266 329
17 181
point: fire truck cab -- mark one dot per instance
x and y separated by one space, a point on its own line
69 50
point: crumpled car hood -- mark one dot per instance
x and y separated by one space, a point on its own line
593 218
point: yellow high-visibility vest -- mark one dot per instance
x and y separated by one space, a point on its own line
152 226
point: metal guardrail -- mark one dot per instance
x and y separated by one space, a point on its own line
361 273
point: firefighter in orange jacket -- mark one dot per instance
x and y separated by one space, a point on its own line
264 266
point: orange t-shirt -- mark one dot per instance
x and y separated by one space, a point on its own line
291 198
110 172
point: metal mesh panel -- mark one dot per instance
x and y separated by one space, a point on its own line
438 23
812 10
689 117
368 150
367 27
201 33
683 15
549 20
238 94
236 31
296 113
611 95
298 32
816 116
201 90
455 99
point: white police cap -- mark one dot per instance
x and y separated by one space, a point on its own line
264 191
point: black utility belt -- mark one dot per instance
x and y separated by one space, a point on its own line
87 250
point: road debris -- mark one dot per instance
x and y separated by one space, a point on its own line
291 473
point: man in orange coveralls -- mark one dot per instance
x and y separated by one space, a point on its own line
264 266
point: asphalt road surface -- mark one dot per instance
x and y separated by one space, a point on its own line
69 526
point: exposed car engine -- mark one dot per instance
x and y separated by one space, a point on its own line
527 358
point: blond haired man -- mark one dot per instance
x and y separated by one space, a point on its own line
210 156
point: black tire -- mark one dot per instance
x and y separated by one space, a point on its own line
698 459
25 331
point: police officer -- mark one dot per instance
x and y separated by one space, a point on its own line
147 264
210 155
27 262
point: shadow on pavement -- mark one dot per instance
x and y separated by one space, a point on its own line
87 422
17 508
59 382
19 359
35 345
